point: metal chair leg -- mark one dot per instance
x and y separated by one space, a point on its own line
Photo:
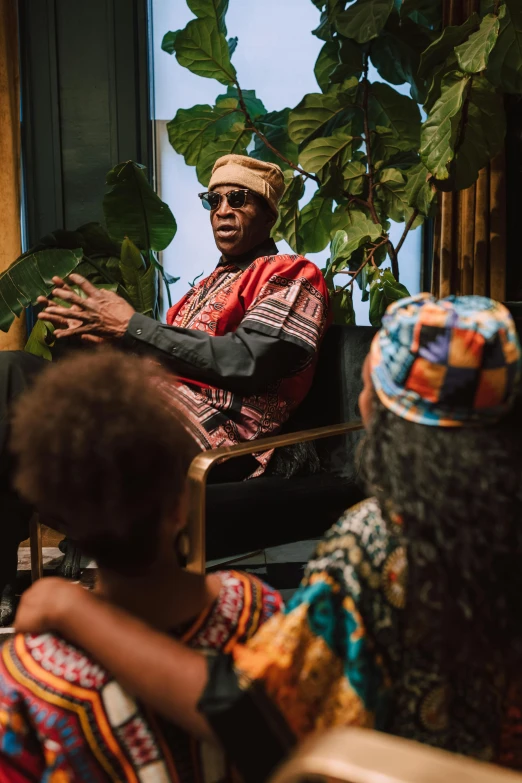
35 540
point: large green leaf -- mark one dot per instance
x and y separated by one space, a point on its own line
444 45
438 76
235 141
132 209
396 54
389 109
389 149
288 222
341 304
351 61
423 12
505 63
465 129
360 229
339 248
141 283
274 125
319 115
420 193
354 173
41 340
96 241
29 277
192 129
384 290
314 225
204 51
364 19
473 54
440 131
322 151
391 191
169 40
326 63
253 104
326 29
216 10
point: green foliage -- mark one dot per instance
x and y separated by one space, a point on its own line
366 146
119 257
29 277
132 208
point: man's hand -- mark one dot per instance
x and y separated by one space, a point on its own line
102 314
47 602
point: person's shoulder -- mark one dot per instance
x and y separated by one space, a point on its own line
361 534
50 658
289 266
297 266
246 602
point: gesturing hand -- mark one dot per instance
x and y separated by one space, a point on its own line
101 314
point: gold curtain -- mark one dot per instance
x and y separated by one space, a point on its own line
10 244
470 232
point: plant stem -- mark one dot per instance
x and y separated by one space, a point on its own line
367 140
368 258
409 224
252 126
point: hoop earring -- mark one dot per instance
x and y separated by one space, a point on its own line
182 545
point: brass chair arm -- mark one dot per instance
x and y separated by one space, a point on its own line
201 466
354 755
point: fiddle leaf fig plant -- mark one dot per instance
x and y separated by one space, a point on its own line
375 155
120 256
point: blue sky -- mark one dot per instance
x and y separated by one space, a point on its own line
275 56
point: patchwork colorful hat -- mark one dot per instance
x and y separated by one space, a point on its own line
447 362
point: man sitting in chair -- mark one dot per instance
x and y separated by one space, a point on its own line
242 343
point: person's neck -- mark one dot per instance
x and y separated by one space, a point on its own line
164 596
263 248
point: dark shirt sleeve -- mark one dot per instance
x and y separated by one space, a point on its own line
245 361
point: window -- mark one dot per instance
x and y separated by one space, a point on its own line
275 55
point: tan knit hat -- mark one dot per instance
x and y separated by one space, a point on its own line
265 179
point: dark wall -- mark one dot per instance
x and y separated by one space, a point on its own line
86 104
514 197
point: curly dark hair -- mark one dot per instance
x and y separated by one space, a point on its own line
98 450
459 493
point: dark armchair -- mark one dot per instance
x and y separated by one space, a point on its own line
237 517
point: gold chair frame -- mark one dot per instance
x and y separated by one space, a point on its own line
197 477
354 755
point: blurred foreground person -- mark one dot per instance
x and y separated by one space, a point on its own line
409 617
99 449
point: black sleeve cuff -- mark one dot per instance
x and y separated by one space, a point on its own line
244 720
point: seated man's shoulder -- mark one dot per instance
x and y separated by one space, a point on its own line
295 267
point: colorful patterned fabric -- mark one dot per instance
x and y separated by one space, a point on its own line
446 363
337 656
282 296
64 718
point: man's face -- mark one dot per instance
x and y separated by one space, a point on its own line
236 231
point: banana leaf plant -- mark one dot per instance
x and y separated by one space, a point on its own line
121 256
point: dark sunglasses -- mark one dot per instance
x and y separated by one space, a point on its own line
236 199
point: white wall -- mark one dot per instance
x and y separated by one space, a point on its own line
275 56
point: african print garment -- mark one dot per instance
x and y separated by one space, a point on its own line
282 296
336 656
64 718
